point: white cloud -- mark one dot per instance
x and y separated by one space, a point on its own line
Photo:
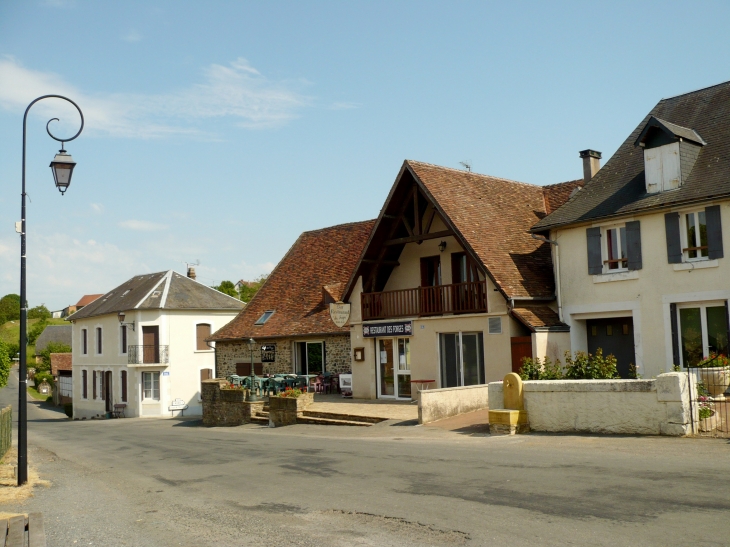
142 225
132 36
98 208
237 91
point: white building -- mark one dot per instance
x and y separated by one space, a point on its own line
143 345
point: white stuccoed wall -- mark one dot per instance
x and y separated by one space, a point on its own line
437 404
645 407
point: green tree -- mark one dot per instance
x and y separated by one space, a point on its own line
52 347
227 287
36 330
5 364
9 308
39 312
249 291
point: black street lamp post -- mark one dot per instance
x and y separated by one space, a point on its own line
62 166
252 378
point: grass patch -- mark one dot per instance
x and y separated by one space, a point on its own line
38 396
10 331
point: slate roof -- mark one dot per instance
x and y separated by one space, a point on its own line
295 289
540 318
60 361
53 333
619 187
162 290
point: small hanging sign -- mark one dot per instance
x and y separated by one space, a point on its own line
339 313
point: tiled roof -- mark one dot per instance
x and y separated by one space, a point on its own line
162 290
619 186
540 318
294 290
557 194
494 217
60 361
87 299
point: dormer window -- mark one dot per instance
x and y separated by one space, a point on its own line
264 317
670 152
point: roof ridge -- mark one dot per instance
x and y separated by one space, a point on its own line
695 91
338 226
559 183
475 174
204 285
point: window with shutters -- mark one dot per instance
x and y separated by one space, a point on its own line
123 339
84 341
694 236
151 386
98 341
93 383
202 332
84 384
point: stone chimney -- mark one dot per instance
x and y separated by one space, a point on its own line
191 272
591 163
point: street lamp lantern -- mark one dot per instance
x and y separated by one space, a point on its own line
62 166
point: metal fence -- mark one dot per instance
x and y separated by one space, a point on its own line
147 355
6 430
710 400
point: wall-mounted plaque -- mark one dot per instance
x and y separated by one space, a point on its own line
358 354
268 353
339 313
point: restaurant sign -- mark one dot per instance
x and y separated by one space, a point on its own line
268 353
394 328
340 313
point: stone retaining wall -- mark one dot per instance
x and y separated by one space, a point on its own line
226 407
646 407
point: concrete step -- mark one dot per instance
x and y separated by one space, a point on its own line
369 420
325 421
260 420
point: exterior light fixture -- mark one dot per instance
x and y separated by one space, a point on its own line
442 246
62 167
121 315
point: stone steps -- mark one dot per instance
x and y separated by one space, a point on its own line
369 420
321 418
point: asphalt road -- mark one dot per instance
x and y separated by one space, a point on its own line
162 483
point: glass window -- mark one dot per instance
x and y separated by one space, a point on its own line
264 317
98 341
151 386
123 337
696 234
616 255
462 359
703 331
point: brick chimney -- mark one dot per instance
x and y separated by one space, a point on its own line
591 163
191 272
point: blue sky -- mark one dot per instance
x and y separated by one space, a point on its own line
220 131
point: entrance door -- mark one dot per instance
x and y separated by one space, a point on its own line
151 344
394 368
521 348
462 359
430 285
108 391
703 331
615 336
310 358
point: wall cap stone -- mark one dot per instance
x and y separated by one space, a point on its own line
590 385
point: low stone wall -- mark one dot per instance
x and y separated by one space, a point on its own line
645 407
437 404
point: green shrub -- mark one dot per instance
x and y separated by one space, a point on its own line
35 331
585 366
41 377
533 369
5 364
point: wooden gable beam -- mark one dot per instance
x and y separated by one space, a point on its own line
418 239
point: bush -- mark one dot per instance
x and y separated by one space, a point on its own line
41 377
292 393
585 366
39 312
35 331
5 363
533 369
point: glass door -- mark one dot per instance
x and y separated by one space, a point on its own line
462 359
404 368
703 331
386 369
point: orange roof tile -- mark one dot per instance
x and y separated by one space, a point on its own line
88 299
320 260
60 361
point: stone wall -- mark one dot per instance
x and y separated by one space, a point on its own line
337 354
646 407
225 407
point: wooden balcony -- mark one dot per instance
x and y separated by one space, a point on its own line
425 301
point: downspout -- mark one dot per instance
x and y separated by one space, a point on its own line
557 271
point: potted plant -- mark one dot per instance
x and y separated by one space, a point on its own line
714 373
709 418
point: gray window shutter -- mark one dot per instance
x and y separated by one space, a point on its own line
595 262
633 244
674 244
675 333
714 232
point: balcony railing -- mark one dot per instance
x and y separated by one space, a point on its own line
147 355
423 301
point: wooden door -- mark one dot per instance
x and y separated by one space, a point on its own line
431 300
108 391
151 344
615 336
521 348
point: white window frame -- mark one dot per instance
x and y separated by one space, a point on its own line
604 248
684 236
703 322
152 374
